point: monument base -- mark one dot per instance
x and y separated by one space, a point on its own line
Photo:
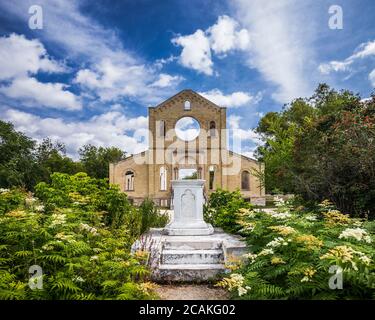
189 258
201 229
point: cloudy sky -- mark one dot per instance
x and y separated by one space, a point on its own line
90 73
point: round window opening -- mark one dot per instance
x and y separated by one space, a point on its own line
187 128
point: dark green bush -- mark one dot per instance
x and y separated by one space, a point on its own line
222 209
151 216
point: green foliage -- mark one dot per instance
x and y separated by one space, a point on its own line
10 199
293 249
96 160
151 216
51 157
323 147
17 164
82 191
79 231
222 209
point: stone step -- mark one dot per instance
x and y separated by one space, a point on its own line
189 272
192 244
192 257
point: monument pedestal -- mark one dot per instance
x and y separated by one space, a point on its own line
189 249
188 210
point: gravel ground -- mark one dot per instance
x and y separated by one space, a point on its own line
191 292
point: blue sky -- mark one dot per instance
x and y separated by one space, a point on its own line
89 75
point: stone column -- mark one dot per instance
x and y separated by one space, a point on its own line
188 209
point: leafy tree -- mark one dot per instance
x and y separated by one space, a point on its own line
51 157
96 160
17 161
322 147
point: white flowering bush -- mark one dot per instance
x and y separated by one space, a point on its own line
291 252
83 248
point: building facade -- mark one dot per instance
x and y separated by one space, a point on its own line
179 150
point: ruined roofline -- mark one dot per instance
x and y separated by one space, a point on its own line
189 91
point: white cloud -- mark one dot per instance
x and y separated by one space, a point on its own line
224 36
364 50
243 141
108 129
19 59
109 70
166 80
234 100
196 53
327 68
111 80
36 93
280 44
234 122
20 56
372 78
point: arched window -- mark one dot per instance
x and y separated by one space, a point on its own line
211 177
187 105
212 128
163 178
129 181
245 180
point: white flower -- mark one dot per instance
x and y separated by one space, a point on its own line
242 290
78 279
311 218
86 227
357 233
279 215
266 252
39 208
57 219
94 258
30 200
2 190
365 260
279 202
250 256
277 242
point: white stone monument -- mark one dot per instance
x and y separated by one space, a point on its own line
188 210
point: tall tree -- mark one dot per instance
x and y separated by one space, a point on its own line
323 147
17 160
96 160
51 157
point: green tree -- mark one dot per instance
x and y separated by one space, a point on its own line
17 160
96 160
51 157
323 148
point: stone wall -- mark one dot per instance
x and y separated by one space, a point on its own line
203 152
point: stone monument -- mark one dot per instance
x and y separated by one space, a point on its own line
188 248
188 210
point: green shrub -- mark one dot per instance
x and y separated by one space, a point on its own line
223 209
292 251
79 232
151 216
10 199
82 191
